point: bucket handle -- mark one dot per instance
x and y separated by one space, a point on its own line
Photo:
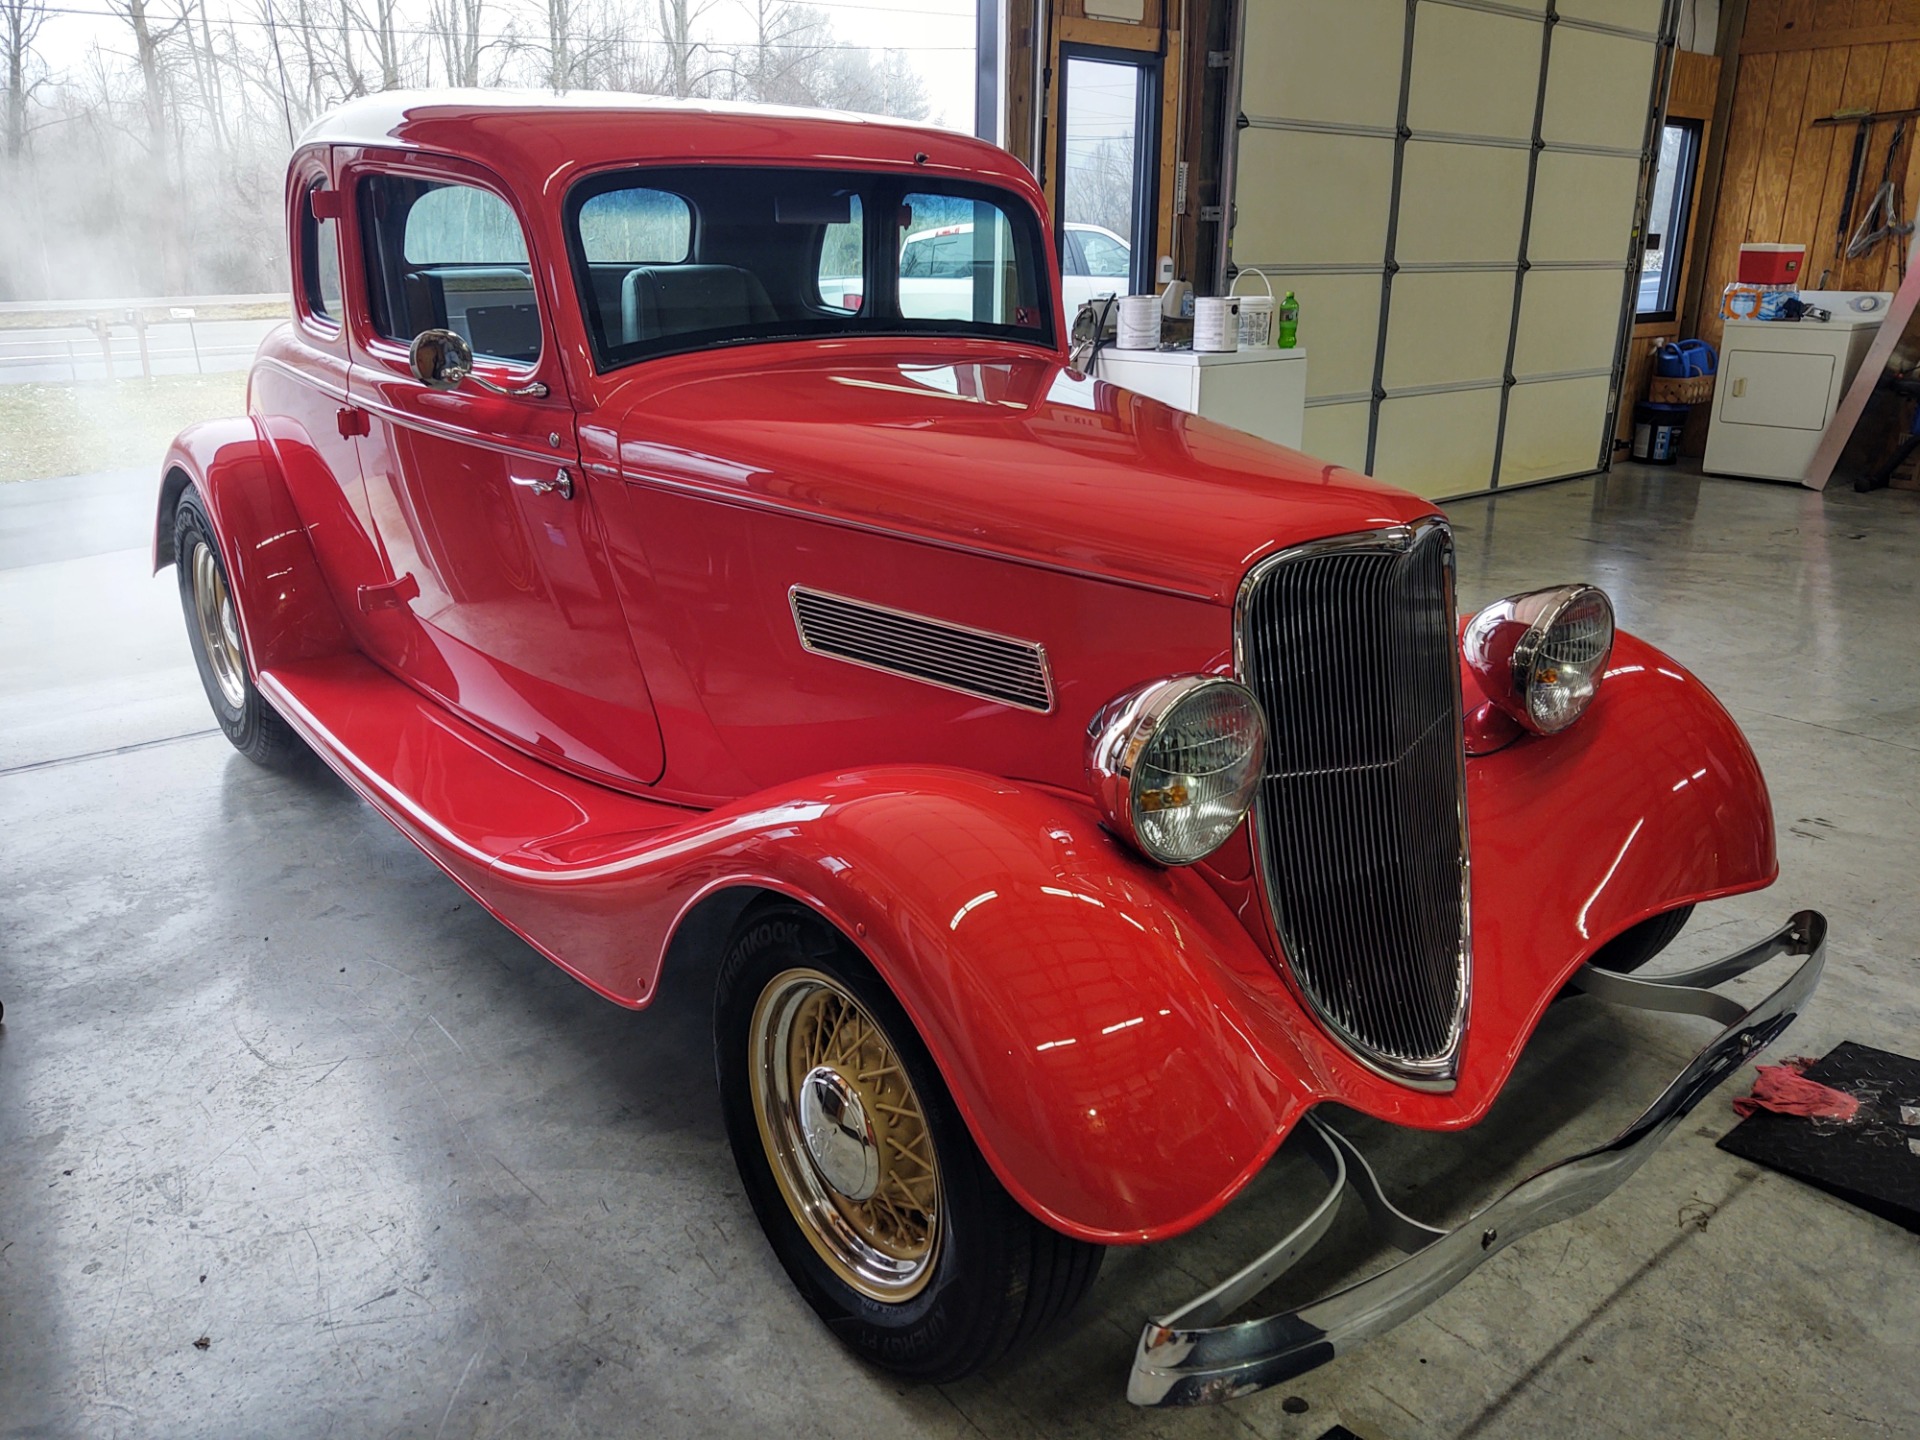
1234 289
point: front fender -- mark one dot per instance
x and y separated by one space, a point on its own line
1081 1004
286 610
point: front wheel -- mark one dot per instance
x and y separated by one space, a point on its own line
213 629
1632 948
860 1169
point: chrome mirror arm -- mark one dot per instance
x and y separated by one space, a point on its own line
536 390
442 359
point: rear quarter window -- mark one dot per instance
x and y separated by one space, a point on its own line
636 227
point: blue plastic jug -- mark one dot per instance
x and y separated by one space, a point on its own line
1681 358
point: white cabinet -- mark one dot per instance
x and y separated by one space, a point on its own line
1263 392
1780 382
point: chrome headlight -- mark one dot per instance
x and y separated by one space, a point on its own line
1540 656
1174 764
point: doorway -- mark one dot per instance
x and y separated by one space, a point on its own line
1107 168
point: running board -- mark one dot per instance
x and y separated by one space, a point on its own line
511 829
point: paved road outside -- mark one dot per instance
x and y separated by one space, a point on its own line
175 347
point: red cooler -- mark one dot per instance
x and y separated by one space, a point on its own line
1771 264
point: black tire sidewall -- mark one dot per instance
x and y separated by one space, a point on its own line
247 725
956 1320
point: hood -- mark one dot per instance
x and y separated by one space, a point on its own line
1012 455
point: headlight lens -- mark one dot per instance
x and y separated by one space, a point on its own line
1540 656
1175 763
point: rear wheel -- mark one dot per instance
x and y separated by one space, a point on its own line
860 1169
213 629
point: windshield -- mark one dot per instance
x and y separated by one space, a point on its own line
687 258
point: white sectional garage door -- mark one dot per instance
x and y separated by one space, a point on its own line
1450 186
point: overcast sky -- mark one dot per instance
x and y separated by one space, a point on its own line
937 35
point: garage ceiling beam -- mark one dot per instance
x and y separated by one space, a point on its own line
1787 40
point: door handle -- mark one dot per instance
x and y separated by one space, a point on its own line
1739 387
561 484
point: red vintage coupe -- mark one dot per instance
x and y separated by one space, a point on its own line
1063 796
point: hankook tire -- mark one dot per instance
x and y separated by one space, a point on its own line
860 1168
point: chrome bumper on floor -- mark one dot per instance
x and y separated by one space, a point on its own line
1188 1358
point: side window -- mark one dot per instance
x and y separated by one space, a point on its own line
320 260
842 286
449 256
636 227
1106 256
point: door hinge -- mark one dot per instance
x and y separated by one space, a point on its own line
391 596
352 421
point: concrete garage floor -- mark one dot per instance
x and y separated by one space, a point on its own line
268 1078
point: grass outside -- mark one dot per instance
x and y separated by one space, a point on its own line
78 429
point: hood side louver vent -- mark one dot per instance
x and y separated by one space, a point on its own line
917 647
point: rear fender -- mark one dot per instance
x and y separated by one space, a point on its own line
286 610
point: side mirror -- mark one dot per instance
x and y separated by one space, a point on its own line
443 360
440 359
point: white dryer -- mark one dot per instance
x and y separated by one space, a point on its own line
1781 380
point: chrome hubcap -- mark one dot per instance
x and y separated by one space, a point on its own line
839 1141
219 627
847 1139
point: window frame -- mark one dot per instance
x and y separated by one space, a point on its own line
375 340
1675 238
879 192
1150 66
306 238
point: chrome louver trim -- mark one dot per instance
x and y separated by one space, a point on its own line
919 647
1360 827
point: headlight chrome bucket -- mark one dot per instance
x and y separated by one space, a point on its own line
1174 764
1540 656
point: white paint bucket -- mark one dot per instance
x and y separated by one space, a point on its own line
1256 313
1139 327
1216 323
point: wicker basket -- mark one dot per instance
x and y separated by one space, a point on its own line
1680 389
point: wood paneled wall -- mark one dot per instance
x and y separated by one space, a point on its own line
1784 179
1696 82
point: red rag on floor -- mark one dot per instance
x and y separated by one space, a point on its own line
1785 1091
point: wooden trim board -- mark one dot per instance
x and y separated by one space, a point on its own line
1840 429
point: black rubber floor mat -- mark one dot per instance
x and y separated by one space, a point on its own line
1872 1160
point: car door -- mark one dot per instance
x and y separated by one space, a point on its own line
1106 261
478 497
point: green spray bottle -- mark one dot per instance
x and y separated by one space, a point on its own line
1289 336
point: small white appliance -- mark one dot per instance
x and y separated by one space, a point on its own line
1780 382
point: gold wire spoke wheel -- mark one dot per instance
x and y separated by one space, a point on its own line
219 628
846 1136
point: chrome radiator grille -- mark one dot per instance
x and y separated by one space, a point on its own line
1360 822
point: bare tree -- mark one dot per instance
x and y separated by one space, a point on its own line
687 72
379 21
20 22
149 43
459 28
